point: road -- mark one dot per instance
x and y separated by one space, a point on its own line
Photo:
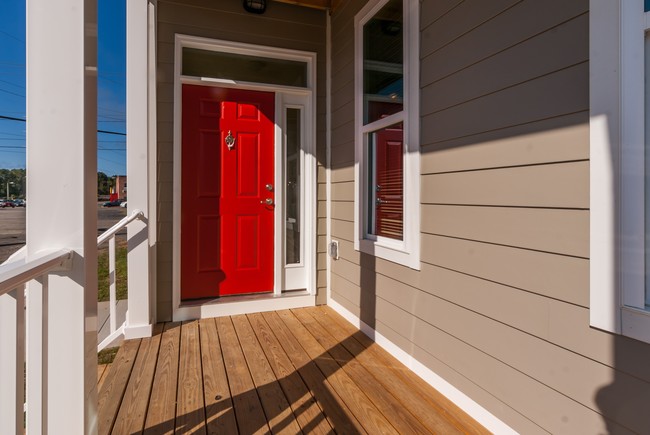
12 226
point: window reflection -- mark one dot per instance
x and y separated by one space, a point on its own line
292 189
383 63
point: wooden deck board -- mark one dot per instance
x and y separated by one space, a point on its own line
101 370
360 405
305 407
114 386
385 400
219 409
161 415
421 395
248 409
190 409
340 416
130 418
300 371
276 406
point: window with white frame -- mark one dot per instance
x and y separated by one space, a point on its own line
620 166
387 212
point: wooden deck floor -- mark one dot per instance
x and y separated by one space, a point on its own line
299 371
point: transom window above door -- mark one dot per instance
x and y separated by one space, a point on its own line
244 68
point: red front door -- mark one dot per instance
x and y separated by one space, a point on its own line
227 177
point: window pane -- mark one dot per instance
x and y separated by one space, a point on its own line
386 182
292 182
646 5
383 63
231 66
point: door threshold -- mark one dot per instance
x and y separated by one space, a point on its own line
245 304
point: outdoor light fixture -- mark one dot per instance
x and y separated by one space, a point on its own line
255 6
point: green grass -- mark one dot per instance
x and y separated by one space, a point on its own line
107 356
120 271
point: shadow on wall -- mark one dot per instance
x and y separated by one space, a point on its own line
625 402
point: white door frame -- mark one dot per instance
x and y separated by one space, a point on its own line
285 97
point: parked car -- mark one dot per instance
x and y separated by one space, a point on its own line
123 204
4 203
115 203
19 202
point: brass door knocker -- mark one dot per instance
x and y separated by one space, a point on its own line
230 141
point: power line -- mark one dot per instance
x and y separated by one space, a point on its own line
12 36
13 84
11 118
12 93
111 132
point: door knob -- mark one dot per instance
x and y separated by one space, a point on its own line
269 187
267 201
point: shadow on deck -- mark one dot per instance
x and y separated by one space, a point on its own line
299 371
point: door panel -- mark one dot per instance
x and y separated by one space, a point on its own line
226 228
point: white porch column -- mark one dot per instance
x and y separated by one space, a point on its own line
140 127
62 212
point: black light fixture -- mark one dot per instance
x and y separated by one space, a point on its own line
255 6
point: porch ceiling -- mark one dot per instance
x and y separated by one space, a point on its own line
318 4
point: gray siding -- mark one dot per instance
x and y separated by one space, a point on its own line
285 26
500 307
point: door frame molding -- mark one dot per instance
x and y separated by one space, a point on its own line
284 97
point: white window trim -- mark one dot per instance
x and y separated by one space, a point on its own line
407 251
617 141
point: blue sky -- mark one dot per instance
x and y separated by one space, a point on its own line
111 92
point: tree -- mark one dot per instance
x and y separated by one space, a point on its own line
104 183
16 179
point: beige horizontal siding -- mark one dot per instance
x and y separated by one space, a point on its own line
563 185
524 62
432 11
561 93
463 18
551 275
499 306
564 138
551 230
479 40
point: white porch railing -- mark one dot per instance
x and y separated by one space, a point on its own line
15 337
109 235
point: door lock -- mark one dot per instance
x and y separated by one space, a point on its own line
269 187
267 201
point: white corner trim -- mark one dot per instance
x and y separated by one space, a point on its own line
617 168
328 154
460 399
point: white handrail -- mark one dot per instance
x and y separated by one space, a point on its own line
109 235
137 214
15 337
19 272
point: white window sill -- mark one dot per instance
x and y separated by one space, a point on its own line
393 252
636 323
